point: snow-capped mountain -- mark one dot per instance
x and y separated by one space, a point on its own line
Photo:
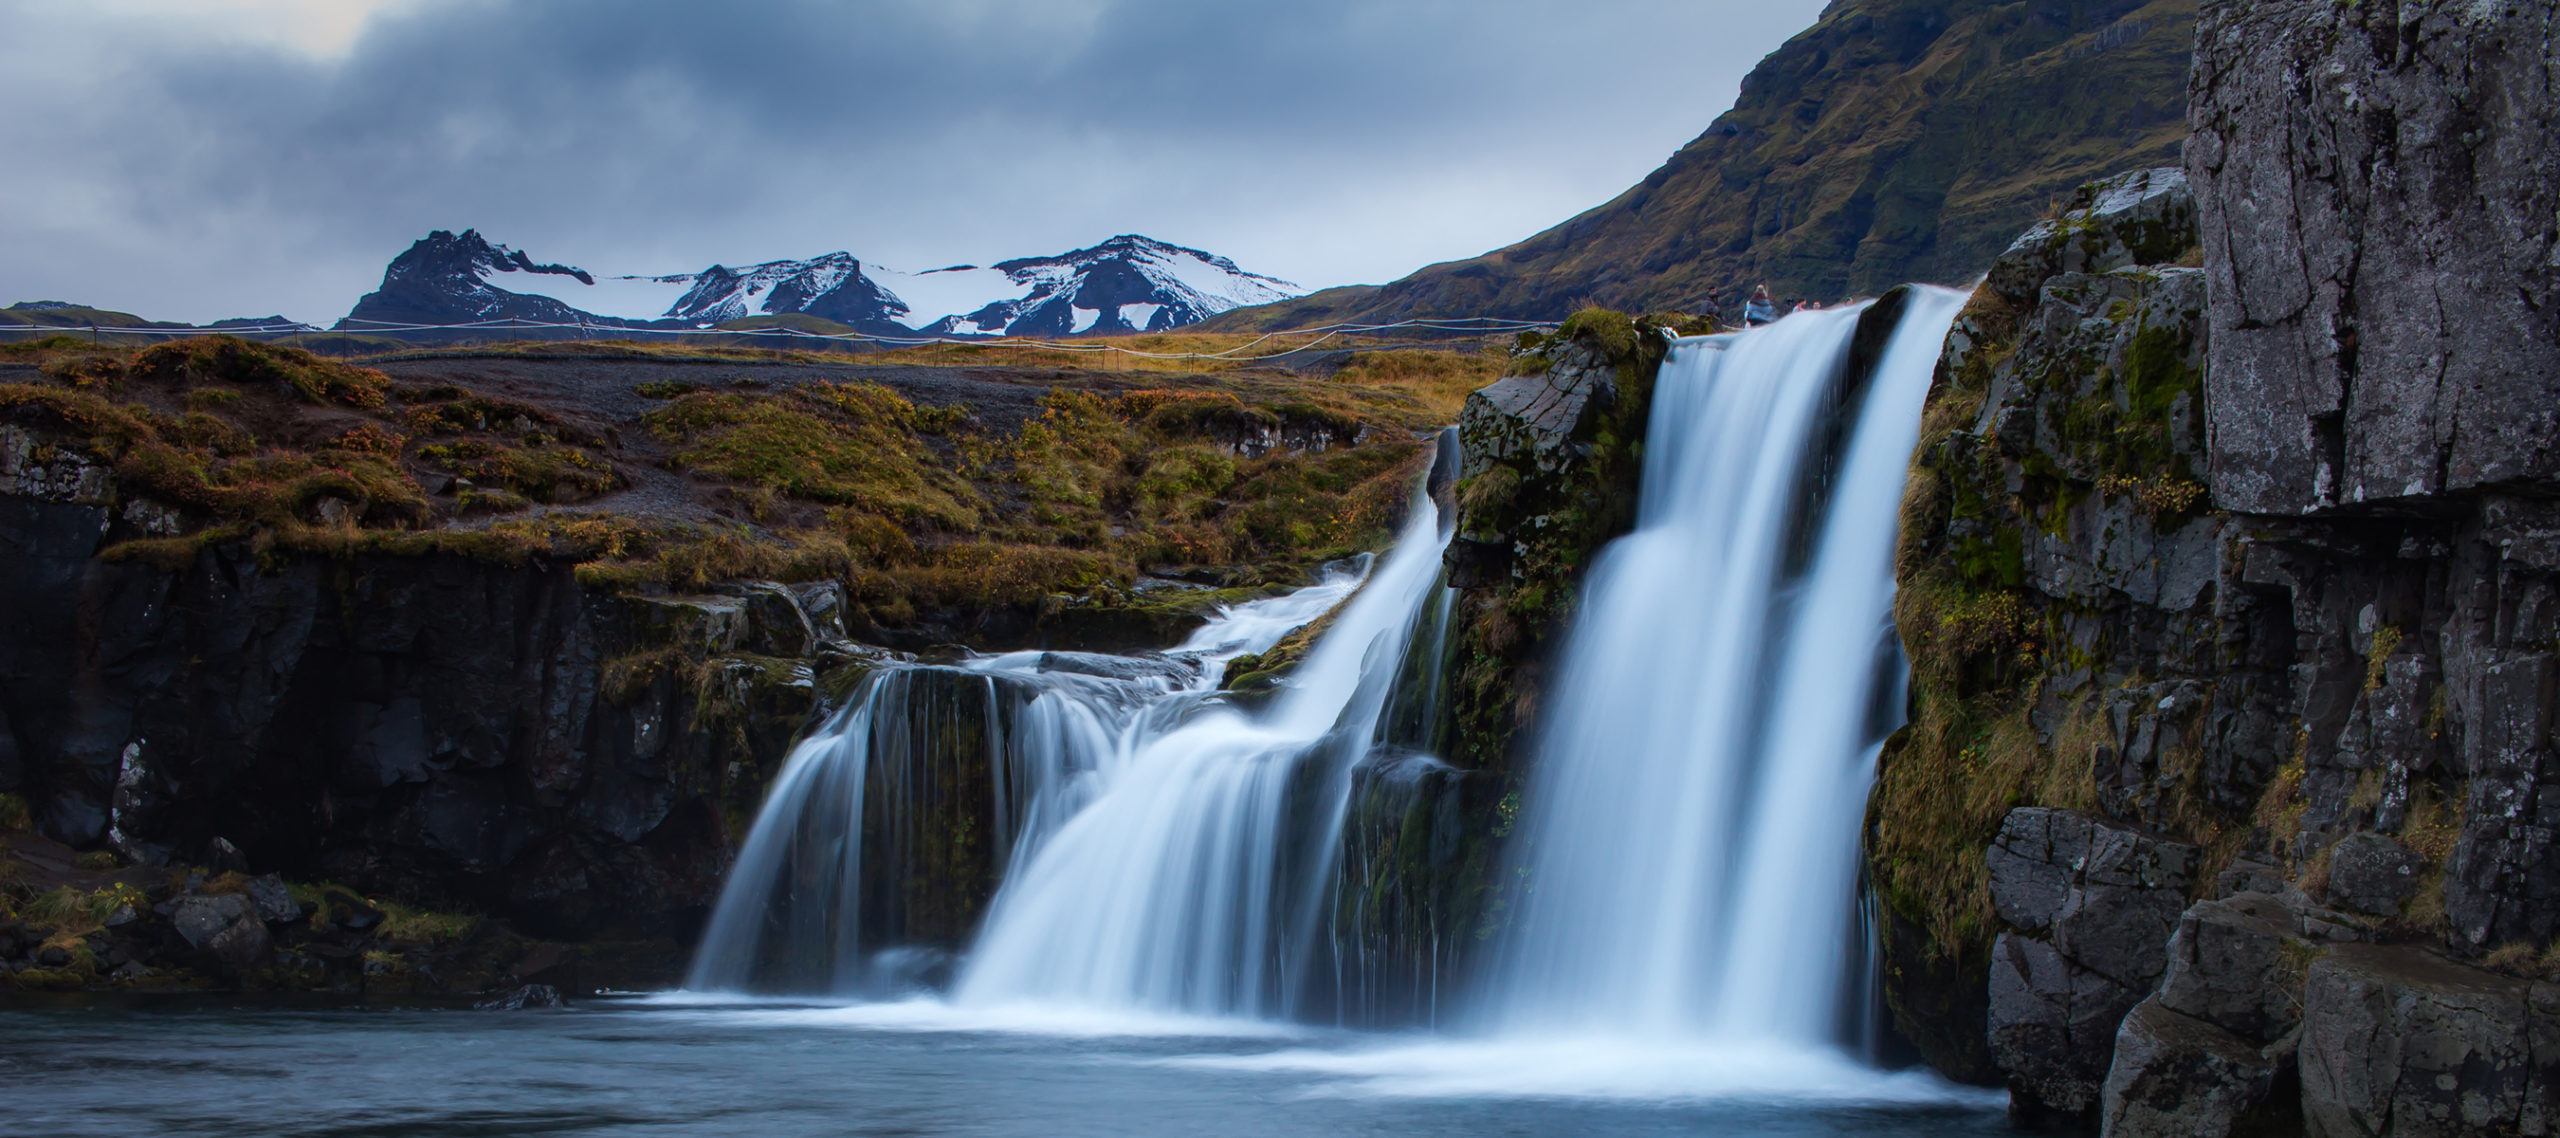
445 279
1126 284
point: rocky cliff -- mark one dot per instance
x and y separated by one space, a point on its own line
2228 575
448 730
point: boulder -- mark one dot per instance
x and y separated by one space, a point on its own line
1535 421
224 926
273 901
2176 1076
2372 874
2238 963
198 918
776 625
2397 1041
222 856
2146 217
2106 895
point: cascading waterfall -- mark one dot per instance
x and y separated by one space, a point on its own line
1689 841
1195 880
1148 846
934 782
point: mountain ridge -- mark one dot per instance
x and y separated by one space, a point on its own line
1128 283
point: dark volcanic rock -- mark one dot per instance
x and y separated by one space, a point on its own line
432 728
2092 906
2179 1077
2267 549
2400 1042
1538 420
2372 874
2381 194
226 927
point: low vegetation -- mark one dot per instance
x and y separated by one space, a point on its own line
1232 474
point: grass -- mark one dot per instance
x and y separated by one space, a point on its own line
1243 475
852 444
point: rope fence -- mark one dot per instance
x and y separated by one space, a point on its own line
1241 353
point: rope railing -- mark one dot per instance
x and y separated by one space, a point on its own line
1241 353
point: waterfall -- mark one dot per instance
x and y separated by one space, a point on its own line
1689 840
936 782
1197 878
1146 844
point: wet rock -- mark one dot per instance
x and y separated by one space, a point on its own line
776 626
2401 1042
823 604
709 626
2372 874
527 996
2179 1077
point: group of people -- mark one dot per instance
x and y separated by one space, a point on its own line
1763 308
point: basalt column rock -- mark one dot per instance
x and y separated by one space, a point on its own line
2090 907
2380 190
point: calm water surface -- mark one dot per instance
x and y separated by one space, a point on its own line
638 1066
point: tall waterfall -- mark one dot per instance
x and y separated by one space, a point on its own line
1689 840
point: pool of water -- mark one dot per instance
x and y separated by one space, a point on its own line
668 1066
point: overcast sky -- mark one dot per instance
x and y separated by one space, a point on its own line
197 159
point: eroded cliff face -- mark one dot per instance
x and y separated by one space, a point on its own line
2229 586
452 732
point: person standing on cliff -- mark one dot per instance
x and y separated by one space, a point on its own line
1760 309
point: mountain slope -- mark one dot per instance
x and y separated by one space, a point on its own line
1894 140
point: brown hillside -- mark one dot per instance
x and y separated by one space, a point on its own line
1895 140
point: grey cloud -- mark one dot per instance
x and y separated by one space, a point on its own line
1324 140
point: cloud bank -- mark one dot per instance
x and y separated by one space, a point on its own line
191 159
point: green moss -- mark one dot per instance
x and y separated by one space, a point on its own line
1611 331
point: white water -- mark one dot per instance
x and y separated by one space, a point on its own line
1689 840
1192 882
791 915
